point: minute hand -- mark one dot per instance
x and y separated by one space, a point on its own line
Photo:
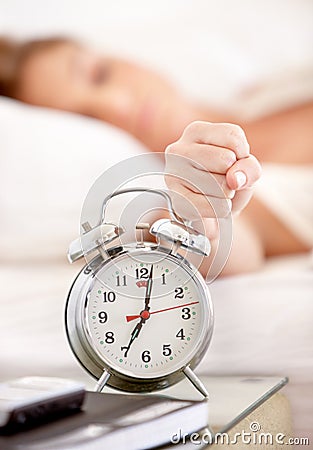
149 290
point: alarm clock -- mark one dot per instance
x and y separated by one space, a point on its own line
139 316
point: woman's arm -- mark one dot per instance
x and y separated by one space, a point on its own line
211 173
246 253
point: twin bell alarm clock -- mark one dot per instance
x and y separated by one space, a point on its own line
139 315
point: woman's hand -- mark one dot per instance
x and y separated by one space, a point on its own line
211 169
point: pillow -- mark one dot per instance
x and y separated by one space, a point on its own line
48 161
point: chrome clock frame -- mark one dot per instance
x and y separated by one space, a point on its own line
109 374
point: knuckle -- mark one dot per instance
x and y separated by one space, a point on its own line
227 157
194 128
171 148
175 150
236 132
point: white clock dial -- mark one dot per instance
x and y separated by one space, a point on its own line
145 315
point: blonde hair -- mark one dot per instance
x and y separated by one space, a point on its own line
13 55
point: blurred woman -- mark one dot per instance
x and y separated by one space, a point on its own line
62 74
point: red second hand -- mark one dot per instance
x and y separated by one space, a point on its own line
137 316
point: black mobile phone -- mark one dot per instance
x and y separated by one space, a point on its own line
30 401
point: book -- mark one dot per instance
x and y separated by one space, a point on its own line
118 421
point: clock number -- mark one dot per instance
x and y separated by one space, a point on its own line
121 281
167 351
125 348
185 313
163 278
180 334
142 273
145 356
103 316
109 296
179 292
109 337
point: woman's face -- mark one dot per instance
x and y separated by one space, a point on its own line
70 77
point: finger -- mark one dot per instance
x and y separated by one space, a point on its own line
194 206
201 182
244 173
209 184
202 156
241 199
226 135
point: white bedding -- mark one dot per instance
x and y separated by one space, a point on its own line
48 161
263 326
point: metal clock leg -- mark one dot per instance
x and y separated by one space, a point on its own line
192 377
102 381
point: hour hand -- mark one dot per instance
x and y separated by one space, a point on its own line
137 329
133 336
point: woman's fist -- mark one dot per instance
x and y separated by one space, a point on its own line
211 170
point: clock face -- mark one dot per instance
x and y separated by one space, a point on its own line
146 314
